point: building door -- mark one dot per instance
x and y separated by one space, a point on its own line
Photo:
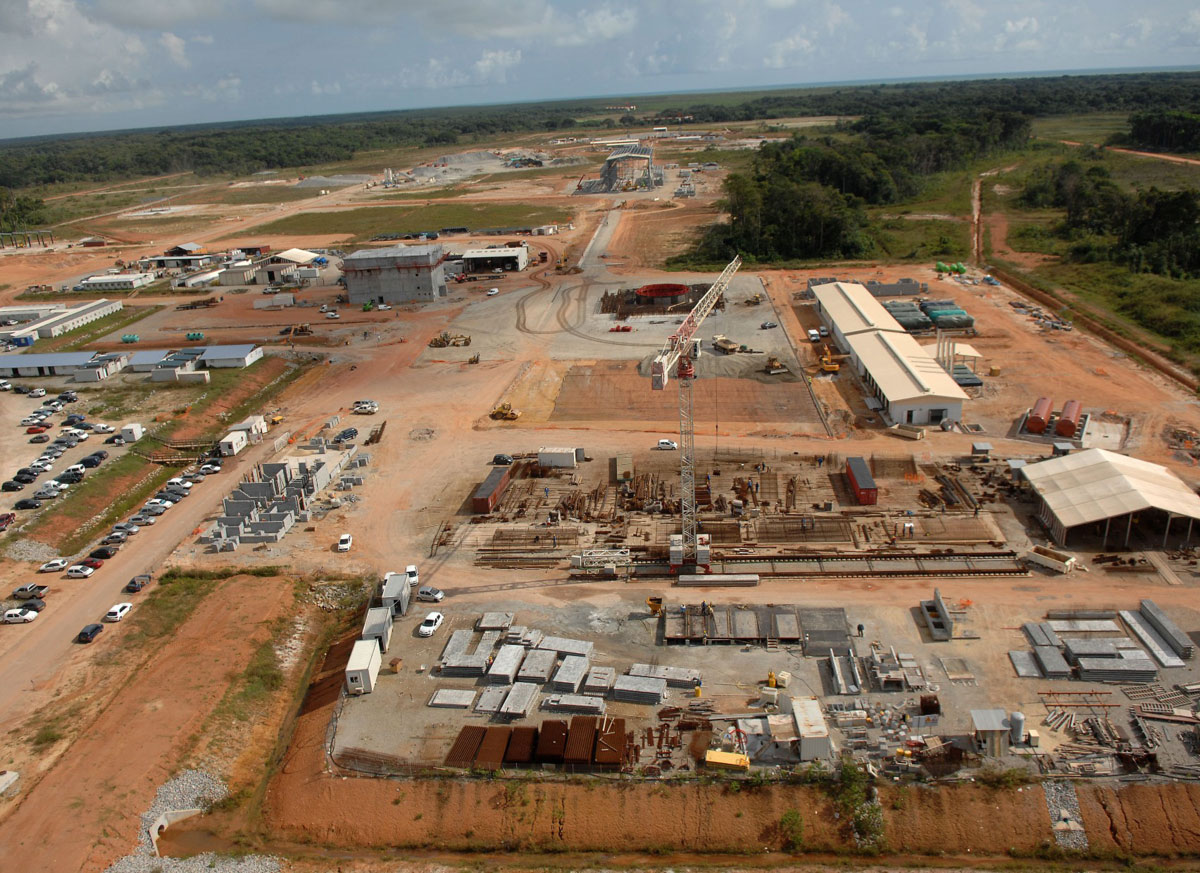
909 419
936 416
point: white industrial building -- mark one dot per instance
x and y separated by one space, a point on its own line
910 386
239 273
397 274
53 364
216 357
116 282
1095 487
510 258
52 320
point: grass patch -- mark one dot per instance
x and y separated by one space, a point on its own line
81 336
250 195
175 598
47 735
367 222
259 681
923 240
1090 127
434 194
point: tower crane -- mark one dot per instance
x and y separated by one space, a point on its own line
677 356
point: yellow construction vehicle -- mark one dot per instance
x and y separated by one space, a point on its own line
474 359
774 366
505 412
443 340
754 300
655 604
828 359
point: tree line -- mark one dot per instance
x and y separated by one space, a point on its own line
1164 130
1149 231
806 197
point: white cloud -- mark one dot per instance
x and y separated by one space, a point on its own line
319 90
787 52
176 48
598 25
157 14
203 38
493 66
227 89
1021 25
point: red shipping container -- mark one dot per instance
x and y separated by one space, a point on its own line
862 483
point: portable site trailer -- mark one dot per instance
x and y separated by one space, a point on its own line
396 593
363 667
233 442
378 627
132 432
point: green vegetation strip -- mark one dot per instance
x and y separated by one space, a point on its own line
76 339
367 222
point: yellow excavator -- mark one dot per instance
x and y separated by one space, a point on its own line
829 360
504 412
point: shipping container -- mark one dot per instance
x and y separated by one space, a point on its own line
1039 417
233 442
862 483
1068 421
556 457
377 626
489 493
363 667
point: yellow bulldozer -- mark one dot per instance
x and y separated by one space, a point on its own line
774 366
444 340
754 300
505 412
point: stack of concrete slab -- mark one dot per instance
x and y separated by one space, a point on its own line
571 674
599 681
456 662
639 689
506 665
1053 664
1137 668
519 700
537 666
1099 647
1040 633
581 703
1159 648
1084 626
519 635
493 621
565 646
492 698
453 698
1025 664
1180 643
676 677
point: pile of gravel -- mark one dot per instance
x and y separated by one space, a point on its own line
191 789
30 550
1061 799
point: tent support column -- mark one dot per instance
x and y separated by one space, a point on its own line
1128 529
1107 522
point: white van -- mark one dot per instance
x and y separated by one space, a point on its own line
814 336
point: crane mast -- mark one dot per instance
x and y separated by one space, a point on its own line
677 355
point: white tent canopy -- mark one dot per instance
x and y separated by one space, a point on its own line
1097 485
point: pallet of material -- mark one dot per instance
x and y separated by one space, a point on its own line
565 646
453 698
599 680
519 701
552 741
1158 647
611 744
1117 669
491 699
1053 664
506 665
1025 664
581 740
582 703
495 621
466 746
638 689
676 677
570 674
491 751
521 745
1084 626
537 666
1180 643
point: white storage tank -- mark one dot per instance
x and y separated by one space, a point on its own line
1016 726
363 667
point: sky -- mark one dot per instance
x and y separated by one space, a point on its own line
82 65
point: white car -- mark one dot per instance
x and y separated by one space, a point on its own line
19 616
30 421
209 469
492 292
43 464
103 428
414 578
118 612
332 315
80 571
80 435
56 405
76 468
38 392
158 501
180 483
345 541
46 493
382 307
54 566
667 445
431 623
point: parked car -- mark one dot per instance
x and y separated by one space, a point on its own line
141 520
502 460
430 594
126 527
94 563
100 454
345 541
103 428
209 469
80 571
158 501
12 485
37 392
6 519
31 592
179 482
136 584
118 612
431 623
89 633
116 538
115 440
411 574
90 463
153 509
823 330
54 565
20 389
30 421
667 445
36 428
67 477
36 604
105 552
28 503
68 397
47 492
19 616
332 315
41 438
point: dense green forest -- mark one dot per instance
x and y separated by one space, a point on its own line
1165 130
261 145
1149 231
805 198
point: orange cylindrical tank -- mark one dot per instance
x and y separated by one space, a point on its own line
1040 416
1068 421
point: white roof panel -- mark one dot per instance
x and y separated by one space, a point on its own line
1096 484
853 308
901 368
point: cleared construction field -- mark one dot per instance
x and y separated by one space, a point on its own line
365 223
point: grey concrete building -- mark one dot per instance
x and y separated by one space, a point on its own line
399 274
